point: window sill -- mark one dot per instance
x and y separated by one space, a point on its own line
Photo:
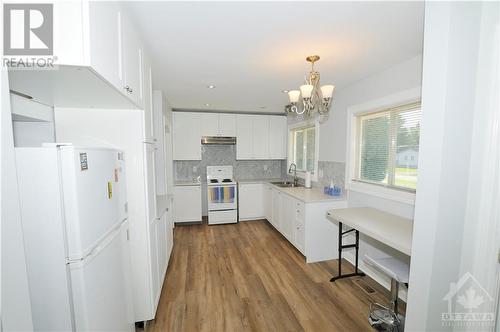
382 192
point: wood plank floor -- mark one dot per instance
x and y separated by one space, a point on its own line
247 277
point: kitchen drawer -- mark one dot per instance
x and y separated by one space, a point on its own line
222 217
300 212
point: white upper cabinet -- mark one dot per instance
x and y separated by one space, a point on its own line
227 125
260 137
149 118
213 124
277 137
186 136
133 62
209 124
244 137
99 56
260 132
257 136
105 40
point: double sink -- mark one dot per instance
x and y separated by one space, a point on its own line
285 184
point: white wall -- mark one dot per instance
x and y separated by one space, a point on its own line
456 213
403 76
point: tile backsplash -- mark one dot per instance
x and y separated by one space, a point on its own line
216 155
327 171
331 170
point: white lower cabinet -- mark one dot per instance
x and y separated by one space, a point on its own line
287 211
276 209
251 201
268 196
161 246
304 224
187 203
299 218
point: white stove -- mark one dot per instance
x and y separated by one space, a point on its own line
222 195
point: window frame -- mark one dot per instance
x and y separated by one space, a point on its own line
290 154
353 123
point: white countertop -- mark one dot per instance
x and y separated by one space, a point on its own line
394 231
187 183
313 195
259 181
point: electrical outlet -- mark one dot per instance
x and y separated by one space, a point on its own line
320 173
265 167
195 169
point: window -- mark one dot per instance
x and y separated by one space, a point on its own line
387 147
303 148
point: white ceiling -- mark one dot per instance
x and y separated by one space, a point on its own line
253 50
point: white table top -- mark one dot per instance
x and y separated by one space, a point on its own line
394 231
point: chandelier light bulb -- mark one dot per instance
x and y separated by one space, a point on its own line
306 90
294 96
327 91
315 99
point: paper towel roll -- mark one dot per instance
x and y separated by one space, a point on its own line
308 180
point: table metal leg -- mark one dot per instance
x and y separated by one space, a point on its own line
341 246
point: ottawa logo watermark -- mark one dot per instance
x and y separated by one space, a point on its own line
469 304
28 39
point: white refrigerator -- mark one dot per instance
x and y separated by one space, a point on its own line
74 218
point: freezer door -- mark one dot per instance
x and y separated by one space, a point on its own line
101 289
92 181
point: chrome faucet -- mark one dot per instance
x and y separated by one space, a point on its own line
295 179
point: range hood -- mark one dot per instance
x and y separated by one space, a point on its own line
218 140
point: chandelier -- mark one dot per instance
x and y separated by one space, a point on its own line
315 99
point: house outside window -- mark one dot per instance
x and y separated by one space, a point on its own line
387 147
